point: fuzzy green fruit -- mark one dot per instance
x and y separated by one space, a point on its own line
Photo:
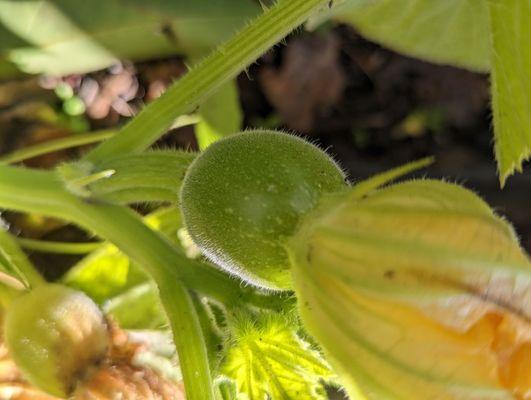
55 334
245 195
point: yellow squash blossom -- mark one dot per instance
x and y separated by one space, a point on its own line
417 291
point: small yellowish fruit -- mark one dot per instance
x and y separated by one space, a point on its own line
55 335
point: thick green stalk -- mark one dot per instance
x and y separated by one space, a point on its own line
46 246
197 85
151 176
40 191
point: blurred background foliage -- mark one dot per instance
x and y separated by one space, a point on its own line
80 69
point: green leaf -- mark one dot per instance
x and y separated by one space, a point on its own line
444 31
137 308
269 361
107 272
480 35
103 274
511 83
151 176
221 116
16 270
65 36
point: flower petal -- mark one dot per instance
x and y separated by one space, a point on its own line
418 291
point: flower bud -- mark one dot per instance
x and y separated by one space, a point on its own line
246 194
417 291
55 335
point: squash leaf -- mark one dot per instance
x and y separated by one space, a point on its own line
449 32
480 35
511 83
104 273
269 361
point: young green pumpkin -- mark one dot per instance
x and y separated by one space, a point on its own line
55 335
245 195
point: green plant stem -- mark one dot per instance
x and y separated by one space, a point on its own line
151 176
74 140
14 258
46 246
38 191
42 191
197 85
27 190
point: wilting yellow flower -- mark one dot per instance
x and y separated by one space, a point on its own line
121 375
55 334
417 291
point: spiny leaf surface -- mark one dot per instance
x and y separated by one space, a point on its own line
269 361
